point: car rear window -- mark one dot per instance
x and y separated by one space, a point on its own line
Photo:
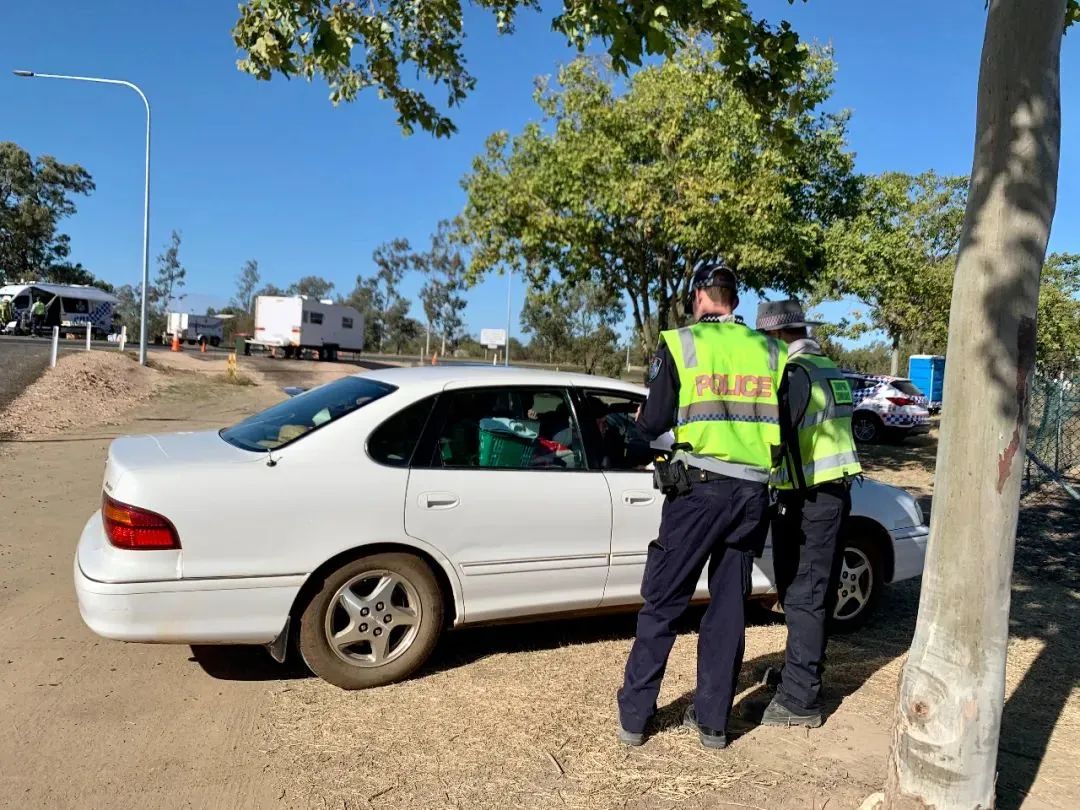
295 417
907 387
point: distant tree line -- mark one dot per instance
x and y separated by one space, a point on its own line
604 204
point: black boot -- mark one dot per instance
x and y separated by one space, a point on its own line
710 737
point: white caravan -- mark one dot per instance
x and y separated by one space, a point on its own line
295 323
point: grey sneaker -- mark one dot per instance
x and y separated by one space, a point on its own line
710 737
633 738
777 714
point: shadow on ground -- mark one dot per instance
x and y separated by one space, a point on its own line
1046 611
1045 616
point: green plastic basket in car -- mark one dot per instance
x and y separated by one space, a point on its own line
505 443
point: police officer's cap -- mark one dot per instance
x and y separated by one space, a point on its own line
713 272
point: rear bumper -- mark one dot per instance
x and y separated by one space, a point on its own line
128 598
909 552
218 611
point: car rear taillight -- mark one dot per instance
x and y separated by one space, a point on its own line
131 528
901 400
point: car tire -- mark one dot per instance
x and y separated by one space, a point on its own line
866 427
409 592
215 341
862 579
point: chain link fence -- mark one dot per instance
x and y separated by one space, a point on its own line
1054 435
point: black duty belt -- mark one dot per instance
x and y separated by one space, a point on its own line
698 475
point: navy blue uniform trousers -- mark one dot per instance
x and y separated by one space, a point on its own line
722 522
807 559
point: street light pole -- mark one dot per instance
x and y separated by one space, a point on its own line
29 74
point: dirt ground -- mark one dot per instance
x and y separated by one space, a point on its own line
518 716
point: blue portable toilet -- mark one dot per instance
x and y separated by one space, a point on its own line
927 371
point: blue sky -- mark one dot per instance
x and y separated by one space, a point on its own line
272 171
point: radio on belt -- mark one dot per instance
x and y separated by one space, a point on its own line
671 476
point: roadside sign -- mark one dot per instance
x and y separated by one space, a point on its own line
493 338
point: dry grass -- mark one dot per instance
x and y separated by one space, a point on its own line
525 716
518 717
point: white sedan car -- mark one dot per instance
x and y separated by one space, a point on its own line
359 520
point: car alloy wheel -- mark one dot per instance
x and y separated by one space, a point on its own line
373 618
856 586
865 428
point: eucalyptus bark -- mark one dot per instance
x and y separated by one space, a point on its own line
948 720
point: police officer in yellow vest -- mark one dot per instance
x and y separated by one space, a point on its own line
715 384
37 315
814 493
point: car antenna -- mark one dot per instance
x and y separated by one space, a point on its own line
270 461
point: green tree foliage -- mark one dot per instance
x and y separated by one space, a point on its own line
897 254
441 294
67 273
242 305
271 289
246 285
312 286
171 274
365 299
35 194
546 318
1058 337
575 324
126 310
387 325
392 259
629 189
354 46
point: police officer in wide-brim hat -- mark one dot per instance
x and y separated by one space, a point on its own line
813 487
715 385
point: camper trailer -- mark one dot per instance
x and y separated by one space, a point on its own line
298 323
194 328
68 306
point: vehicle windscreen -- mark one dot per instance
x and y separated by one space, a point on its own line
907 387
289 420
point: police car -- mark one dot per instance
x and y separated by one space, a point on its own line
886 407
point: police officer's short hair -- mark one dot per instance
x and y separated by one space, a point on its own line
715 276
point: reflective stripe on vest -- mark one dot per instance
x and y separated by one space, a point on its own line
728 411
826 446
746 472
819 466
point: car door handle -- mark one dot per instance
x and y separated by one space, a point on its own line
439 500
636 498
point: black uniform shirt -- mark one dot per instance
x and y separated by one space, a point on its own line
795 385
658 413
794 395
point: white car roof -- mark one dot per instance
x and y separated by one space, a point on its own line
436 378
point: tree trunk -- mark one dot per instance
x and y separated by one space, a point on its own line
948 719
894 362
